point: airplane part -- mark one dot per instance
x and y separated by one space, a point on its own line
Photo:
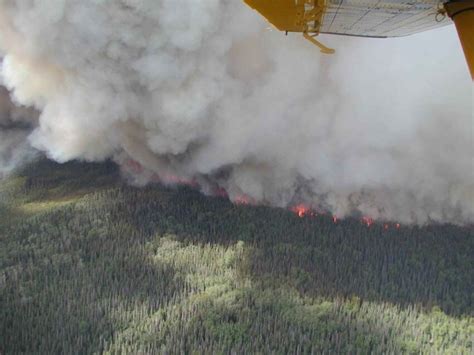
462 13
369 18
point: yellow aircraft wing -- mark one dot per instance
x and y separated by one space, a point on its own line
374 18
370 18
367 18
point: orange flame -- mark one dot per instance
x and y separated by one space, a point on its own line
243 200
367 220
301 210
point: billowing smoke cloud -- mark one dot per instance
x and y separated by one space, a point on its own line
202 92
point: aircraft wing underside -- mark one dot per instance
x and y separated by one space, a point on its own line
377 18
368 18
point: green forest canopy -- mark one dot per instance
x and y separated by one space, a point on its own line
89 264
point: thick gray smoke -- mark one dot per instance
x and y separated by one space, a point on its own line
201 91
16 123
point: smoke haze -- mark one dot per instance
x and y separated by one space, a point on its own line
202 92
16 123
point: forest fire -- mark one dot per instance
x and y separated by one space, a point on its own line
170 179
301 210
367 220
243 200
220 192
134 166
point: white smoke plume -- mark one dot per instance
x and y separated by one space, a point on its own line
199 90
